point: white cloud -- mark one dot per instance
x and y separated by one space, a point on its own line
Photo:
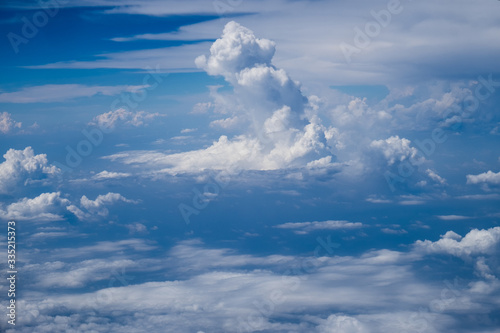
393 231
307 227
313 53
226 123
435 177
486 177
45 207
396 149
97 206
378 292
268 103
236 50
76 275
342 324
110 175
62 92
452 217
23 165
7 123
136 228
108 248
112 118
476 242
179 58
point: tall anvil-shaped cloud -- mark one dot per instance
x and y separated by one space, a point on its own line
279 134
245 62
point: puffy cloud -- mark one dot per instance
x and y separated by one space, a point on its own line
486 177
265 98
7 123
112 118
379 291
236 50
307 227
46 207
136 228
98 206
23 165
476 242
395 149
342 324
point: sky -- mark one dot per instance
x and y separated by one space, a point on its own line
251 166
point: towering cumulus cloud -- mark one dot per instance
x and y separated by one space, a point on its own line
280 131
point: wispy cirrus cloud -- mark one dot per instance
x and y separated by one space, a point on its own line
49 93
307 227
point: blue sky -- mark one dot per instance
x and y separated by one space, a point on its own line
252 166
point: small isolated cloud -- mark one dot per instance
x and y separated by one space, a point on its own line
476 242
62 92
452 217
391 231
395 149
376 200
201 108
98 206
110 175
7 124
486 178
136 228
44 208
410 200
435 177
121 116
307 227
188 130
23 166
225 123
